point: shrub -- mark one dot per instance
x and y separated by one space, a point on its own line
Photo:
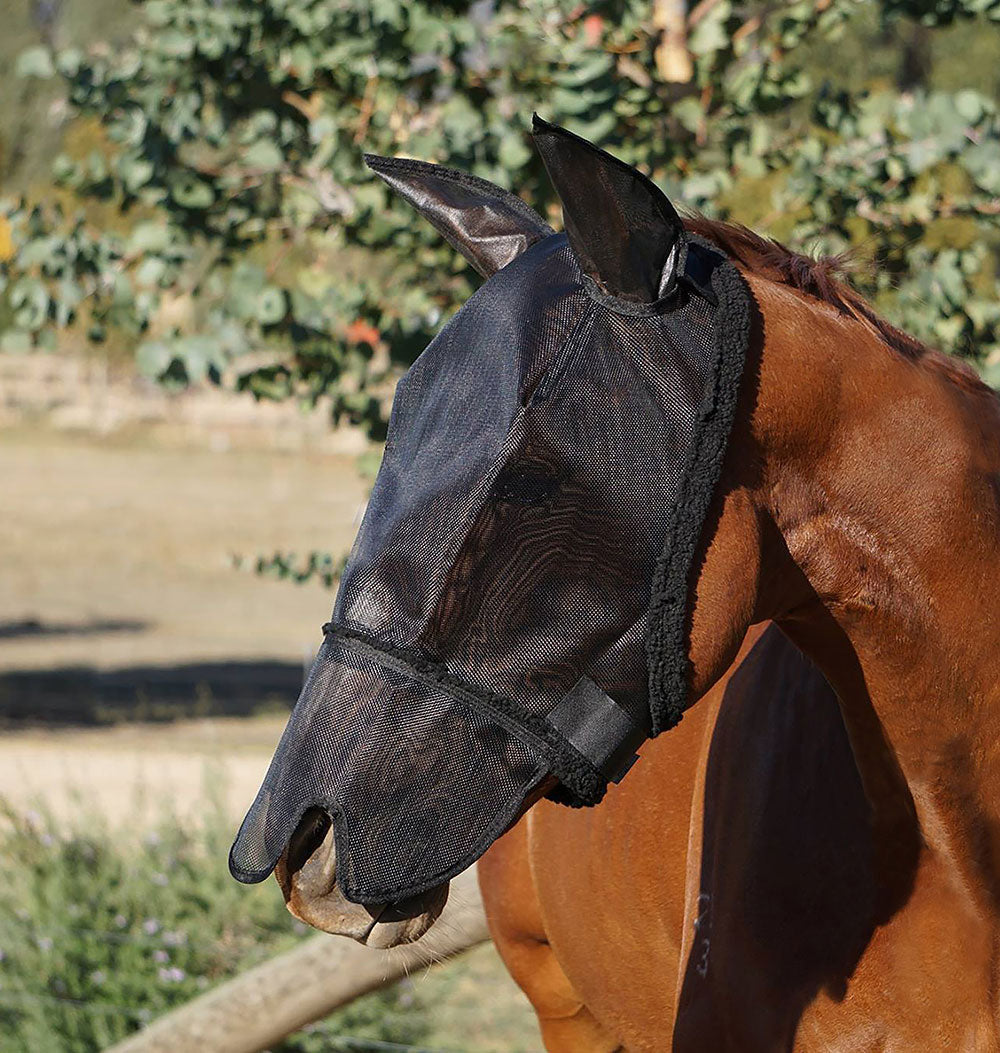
100 933
258 251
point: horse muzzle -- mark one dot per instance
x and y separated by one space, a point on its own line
413 777
307 874
415 773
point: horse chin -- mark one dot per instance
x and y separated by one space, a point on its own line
307 874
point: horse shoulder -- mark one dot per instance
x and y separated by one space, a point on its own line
718 892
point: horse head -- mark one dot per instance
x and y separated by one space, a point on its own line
514 619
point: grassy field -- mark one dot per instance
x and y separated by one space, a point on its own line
119 603
119 552
143 685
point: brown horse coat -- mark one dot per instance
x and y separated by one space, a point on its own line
811 859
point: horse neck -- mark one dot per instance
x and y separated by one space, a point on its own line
882 476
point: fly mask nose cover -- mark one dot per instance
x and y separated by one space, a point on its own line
550 461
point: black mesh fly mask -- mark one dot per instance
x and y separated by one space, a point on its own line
514 604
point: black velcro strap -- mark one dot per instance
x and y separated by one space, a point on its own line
596 726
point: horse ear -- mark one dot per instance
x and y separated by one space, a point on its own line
488 225
624 232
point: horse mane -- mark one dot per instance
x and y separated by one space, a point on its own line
825 279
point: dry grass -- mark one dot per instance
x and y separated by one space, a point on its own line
141 537
118 599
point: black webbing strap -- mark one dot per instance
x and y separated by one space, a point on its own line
699 263
596 726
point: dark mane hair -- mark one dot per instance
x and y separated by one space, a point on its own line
824 278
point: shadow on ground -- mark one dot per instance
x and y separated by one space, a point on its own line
32 627
82 695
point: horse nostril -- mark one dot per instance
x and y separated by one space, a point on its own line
308 836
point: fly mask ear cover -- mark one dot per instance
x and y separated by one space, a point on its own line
589 384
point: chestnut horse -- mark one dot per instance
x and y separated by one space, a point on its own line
811 860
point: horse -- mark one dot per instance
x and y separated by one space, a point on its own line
810 859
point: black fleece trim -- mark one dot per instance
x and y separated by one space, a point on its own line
666 643
581 783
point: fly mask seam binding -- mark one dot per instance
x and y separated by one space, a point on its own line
569 765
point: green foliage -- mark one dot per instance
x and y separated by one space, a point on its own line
910 178
261 254
943 12
97 937
323 567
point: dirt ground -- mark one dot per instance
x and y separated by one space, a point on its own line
119 603
118 554
135 774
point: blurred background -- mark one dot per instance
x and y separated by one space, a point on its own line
205 302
